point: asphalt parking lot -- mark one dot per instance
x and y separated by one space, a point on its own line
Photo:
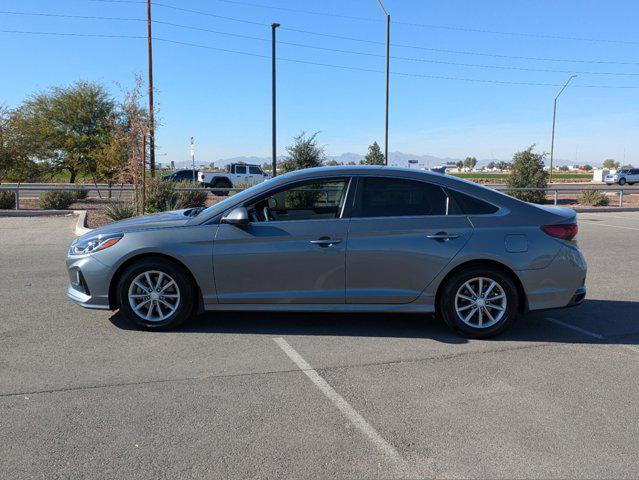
316 396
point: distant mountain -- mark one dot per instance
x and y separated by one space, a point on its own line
396 158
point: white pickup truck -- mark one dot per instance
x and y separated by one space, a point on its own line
236 174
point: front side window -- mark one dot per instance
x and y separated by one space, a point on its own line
316 200
394 197
255 171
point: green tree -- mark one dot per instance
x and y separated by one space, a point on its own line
304 153
18 148
491 165
374 155
563 168
528 172
459 164
71 124
611 164
628 165
470 162
332 163
587 167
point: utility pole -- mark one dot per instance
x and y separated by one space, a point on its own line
387 79
193 158
151 119
554 115
274 97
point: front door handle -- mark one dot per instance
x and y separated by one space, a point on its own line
442 236
325 242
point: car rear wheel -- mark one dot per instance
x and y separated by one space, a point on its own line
155 294
222 184
480 302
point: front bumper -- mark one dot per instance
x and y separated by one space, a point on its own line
89 281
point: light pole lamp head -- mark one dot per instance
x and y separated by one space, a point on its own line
274 25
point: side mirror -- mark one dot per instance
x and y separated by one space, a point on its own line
238 216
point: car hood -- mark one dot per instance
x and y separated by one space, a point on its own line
176 218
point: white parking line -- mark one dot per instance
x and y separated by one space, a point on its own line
608 225
575 328
343 406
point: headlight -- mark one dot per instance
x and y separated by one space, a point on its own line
93 244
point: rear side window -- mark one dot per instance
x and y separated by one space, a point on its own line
462 204
393 197
241 169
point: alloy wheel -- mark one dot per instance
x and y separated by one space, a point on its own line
154 296
480 302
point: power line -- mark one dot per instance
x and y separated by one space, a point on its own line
328 65
432 26
340 37
72 34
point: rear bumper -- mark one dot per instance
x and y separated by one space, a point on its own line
561 284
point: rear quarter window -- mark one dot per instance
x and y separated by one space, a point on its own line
462 204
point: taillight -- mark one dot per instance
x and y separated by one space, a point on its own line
564 232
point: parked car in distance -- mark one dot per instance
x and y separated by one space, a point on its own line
235 174
626 175
181 176
339 239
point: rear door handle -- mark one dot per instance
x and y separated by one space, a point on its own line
442 236
325 242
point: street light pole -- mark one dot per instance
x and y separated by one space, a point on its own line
151 117
193 158
273 27
554 116
387 79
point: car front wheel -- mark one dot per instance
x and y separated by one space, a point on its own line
480 302
155 294
622 181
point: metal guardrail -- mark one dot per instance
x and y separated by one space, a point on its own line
119 189
107 190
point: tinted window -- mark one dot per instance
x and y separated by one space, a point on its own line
392 197
307 201
465 204
255 171
185 175
240 169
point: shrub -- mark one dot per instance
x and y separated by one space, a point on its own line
81 194
160 195
56 199
191 198
594 198
7 200
120 211
528 172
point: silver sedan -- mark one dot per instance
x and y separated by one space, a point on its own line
351 239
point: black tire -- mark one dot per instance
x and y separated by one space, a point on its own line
222 184
622 181
446 304
631 183
185 289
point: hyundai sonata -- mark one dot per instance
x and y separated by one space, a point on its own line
338 239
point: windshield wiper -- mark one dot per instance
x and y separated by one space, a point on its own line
193 212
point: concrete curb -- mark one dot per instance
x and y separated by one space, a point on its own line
35 213
605 209
80 227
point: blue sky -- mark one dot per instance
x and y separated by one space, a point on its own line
223 99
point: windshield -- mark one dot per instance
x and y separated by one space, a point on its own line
233 198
